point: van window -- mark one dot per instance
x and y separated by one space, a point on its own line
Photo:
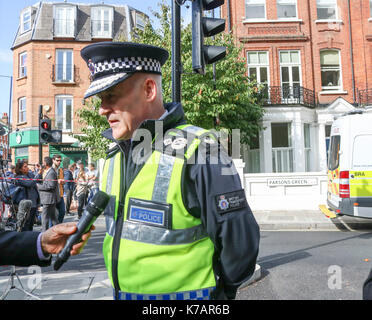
362 151
334 156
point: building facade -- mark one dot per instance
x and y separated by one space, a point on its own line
48 70
314 58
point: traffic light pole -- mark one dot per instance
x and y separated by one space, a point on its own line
40 144
176 51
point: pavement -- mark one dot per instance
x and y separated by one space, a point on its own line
95 285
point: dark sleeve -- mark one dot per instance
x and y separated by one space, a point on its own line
20 249
367 287
28 183
212 191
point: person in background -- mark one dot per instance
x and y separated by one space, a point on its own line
81 191
60 206
11 171
26 178
69 187
49 194
93 181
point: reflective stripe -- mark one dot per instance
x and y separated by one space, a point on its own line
202 294
110 175
155 235
193 129
163 176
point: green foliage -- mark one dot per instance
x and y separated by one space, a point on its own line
229 102
92 126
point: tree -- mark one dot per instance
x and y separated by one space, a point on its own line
232 101
92 126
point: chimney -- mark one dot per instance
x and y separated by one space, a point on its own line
5 118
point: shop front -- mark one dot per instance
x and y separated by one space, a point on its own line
70 153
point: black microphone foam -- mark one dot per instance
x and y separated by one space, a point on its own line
93 209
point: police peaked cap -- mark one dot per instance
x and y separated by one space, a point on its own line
112 62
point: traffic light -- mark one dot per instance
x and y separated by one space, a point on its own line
47 135
205 27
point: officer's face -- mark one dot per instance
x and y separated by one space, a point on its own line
124 107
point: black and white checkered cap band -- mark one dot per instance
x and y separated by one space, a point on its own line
127 64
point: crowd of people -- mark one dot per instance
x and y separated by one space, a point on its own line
55 191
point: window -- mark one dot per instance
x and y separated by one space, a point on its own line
286 9
63 113
307 146
326 9
22 110
334 155
140 22
258 66
23 64
255 9
64 21
330 70
327 137
26 20
64 66
290 72
258 69
102 19
282 152
21 152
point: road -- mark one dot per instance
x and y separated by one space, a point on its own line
311 266
305 265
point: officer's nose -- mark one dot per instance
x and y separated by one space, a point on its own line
104 109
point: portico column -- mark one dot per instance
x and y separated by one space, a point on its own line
266 163
298 147
322 154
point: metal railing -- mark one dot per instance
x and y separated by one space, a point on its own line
288 95
65 73
282 159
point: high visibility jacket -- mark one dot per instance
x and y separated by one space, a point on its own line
153 245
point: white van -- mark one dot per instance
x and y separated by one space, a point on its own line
350 165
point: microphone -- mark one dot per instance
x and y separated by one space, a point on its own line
24 209
93 209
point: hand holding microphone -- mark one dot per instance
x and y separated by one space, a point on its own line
93 209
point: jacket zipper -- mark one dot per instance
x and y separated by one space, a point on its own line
119 225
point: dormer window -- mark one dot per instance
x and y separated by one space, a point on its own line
140 21
64 21
102 21
26 20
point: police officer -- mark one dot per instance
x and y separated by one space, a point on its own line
178 223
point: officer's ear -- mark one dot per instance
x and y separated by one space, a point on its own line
150 89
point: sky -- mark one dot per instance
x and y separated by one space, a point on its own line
9 21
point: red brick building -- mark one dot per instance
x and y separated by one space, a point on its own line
49 71
315 57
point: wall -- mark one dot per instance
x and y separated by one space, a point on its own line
261 196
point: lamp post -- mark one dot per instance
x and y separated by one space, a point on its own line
9 112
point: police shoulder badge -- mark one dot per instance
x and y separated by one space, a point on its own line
230 201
